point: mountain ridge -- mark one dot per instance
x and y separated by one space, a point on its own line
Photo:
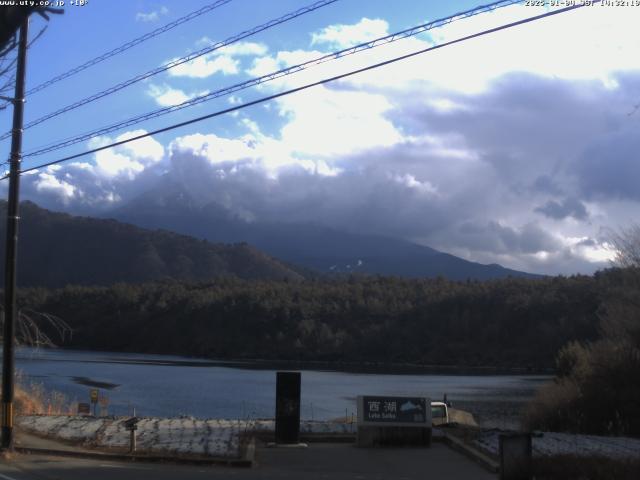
319 248
56 249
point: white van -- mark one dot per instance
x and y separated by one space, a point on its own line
439 413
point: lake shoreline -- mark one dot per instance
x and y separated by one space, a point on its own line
335 366
171 386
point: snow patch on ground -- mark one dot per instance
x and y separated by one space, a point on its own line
188 436
551 443
177 436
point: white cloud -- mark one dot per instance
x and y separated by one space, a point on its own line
409 181
216 150
329 123
47 183
166 96
263 66
607 38
147 17
129 159
253 150
239 49
597 252
219 61
343 36
250 125
152 16
205 66
113 176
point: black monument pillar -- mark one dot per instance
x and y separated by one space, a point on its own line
288 407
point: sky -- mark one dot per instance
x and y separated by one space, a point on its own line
518 148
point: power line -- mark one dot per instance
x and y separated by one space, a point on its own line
128 45
179 61
271 76
124 47
309 85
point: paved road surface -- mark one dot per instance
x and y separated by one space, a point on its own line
319 461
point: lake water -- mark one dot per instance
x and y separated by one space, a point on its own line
158 385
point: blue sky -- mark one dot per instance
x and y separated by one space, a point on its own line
83 33
517 148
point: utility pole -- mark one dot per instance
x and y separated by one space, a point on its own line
11 251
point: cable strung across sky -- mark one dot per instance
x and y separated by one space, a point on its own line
179 61
309 85
128 45
123 48
272 76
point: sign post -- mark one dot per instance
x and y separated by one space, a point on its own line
390 420
94 400
132 426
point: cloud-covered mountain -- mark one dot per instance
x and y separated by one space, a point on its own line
322 249
56 249
511 149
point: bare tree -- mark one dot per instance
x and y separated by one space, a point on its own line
11 17
626 243
34 329
10 20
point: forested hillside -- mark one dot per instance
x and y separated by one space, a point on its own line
504 323
56 249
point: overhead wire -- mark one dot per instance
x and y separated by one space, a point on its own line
174 63
307 86
384 40
126 46
123 48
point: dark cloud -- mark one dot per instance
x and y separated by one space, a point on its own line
368 199
464 179
569 207
588 242
610 167
541 118
545 184
496 238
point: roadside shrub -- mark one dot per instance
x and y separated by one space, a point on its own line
553 407
32 398
597 387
